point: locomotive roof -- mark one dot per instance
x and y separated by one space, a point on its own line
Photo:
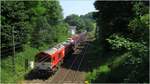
67 42
57 47
51 51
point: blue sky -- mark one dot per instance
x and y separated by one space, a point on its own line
79 7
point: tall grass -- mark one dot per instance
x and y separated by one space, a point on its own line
105 67
7 74
102 64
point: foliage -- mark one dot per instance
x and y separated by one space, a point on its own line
6 65
54 12
47 23
33 22
42 33
83 22
88 16
37 24
62 32
139 24
74 20
14 16
112 18
118 42
124 27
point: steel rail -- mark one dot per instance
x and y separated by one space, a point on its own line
80 63
69 67
70 70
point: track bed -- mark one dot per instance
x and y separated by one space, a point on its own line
71 71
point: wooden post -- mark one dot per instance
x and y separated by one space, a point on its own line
26 65
13 58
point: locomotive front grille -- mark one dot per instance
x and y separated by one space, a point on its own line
43 66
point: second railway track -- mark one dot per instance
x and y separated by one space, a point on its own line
73 69
70 71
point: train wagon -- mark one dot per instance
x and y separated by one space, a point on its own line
51 59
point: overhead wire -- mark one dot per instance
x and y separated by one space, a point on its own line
80 63
69 70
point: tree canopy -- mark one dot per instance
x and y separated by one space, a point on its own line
83 22
36 23
124 27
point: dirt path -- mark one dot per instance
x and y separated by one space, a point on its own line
72 71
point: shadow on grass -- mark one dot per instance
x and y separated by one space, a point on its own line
114 76
34 74
118 72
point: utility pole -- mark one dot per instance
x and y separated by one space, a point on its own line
13 58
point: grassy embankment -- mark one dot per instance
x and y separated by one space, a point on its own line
102 66
7 74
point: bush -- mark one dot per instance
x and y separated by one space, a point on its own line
7 73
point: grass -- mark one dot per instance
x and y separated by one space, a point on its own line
114 67
7 74
102 65
104 69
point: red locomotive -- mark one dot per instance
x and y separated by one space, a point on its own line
51 59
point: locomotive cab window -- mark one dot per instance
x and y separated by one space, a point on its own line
43 58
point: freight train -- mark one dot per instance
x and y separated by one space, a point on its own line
49 60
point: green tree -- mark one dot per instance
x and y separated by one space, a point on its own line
47 23
113 17
54 12
124 27
14 15
34 22
83 22
74 20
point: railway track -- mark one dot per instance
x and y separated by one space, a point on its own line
72 71
72 74
77 65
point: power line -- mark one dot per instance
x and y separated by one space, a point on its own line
80 62
72 65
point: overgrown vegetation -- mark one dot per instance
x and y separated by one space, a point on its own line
83 22
7 73
123 31
34 22
38 25
33 26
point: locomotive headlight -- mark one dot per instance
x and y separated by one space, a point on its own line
31 63
49 68
71 40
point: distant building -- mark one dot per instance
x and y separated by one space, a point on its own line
72 30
